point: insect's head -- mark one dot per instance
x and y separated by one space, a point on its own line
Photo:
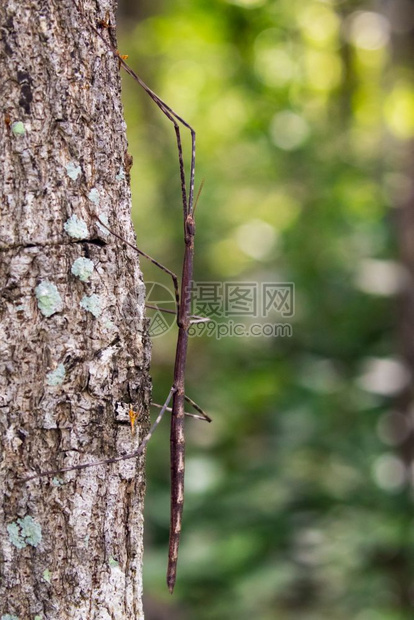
190 225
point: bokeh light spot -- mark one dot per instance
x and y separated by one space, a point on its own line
319 24
288 130
248 4
380 277
384 376
399 111
324 70
389 472
256 239
368 30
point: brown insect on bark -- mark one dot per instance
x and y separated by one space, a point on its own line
184 321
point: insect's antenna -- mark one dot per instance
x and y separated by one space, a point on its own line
198 196
192 170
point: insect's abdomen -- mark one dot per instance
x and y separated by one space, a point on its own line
177 442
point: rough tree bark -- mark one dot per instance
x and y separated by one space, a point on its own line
73 347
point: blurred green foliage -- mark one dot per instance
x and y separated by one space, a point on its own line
296 506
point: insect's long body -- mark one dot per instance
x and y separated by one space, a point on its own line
177 437
177 456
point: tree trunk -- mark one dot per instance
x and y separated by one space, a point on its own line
74 352
399 560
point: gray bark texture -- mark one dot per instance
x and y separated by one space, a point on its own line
74 351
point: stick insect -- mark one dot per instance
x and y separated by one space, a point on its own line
184 320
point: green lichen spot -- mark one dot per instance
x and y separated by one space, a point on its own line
82 268
47 575
24 532
14 535
72 170
104 220
48 299
92 304
18 128
94 196
121 174
37 618
56 377
76 228
31 531
112 562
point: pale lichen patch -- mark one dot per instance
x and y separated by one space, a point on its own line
121 174
47 575
25 532
31 531
14 535
92 304
49 300
18 128
57 376
9 617
73 171
76 228
112 562
94 196
82 268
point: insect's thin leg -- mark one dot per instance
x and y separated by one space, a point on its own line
182 170
152 260
194 318
173 117
114 459
169 113
151 307
203 418
198 408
